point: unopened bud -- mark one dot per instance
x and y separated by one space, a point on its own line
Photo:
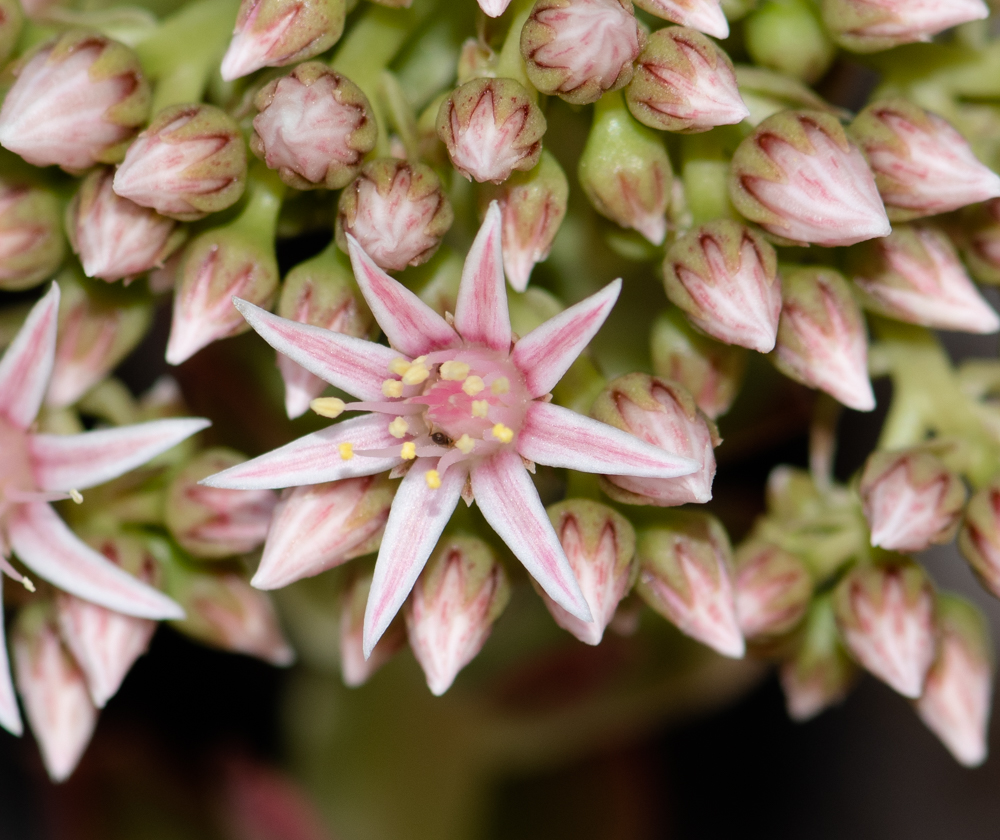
704 15
876 25
450 613
77 101
685 574
354 668
725 278
886 617
314 126
664 414
494 8
273 33
979 539
31 241
773 589
319 526
396 210
915 275
788 36
922 165
11 22
491 127
189 162
822 340
578 49
982 246
475 59
684 82
800 178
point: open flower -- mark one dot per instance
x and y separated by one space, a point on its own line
463 406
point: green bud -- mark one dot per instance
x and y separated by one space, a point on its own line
31 239
787 36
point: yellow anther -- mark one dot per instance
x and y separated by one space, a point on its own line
433 479
480 408
500 385
408 451
454 371
328 406
473 385
399 427
502 433
346 451
27 584
399 366
465 444
76 496
392 388
416 374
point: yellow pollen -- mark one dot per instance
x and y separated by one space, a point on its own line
346 451
416 374
408 451
502 433
399 366
433 479
465 444
500 385
399 427
392 388
27 584
76 496
480 408
473 385
454 371
328 406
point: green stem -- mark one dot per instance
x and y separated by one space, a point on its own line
510 63
259 216
705 173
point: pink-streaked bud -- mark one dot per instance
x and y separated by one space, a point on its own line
476 58
578 49
915 275
11 23
956 701
354 668
710 371
396 210
319 526
982 242
189 162
114 237
799 177
95 333
491 127
662 413
314 126
725 278
875 25
979 538
886 617
77 101
704 15
822 340
210 522
450 613
911 500
31 240
532 205
273 33
685 574
922 165
773 590
104 643
685 83
54 691
600 546
820 674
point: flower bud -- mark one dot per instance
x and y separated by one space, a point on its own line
915 275
710 371
532 205
979 538
600 546
822 340
210 522
319 526
725 278
665 415
876 25
955 704
982 246
922 165
397 211
911 500
704 15
800 178
684 82
189 162
273 33
114 237
886 616
494 8
476 58
773 589
11 22
788 36
685 574
578 49
491 127
54 691
625 171
450 613
77 101
31 241
354 668
314 126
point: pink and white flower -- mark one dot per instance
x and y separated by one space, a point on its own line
873 25
704 15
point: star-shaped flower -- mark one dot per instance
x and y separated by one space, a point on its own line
462 403
36 469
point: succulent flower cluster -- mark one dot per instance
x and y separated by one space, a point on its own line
428 231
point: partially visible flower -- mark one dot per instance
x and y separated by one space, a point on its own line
773 589
788 36
979 538
357 665
704 15
31 241
875 25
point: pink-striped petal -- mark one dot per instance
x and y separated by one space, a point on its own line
10 715
52 551
64 462
546 353
416 520
411 326
27 365
510 503
315 458
481 315
354 365
558 437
